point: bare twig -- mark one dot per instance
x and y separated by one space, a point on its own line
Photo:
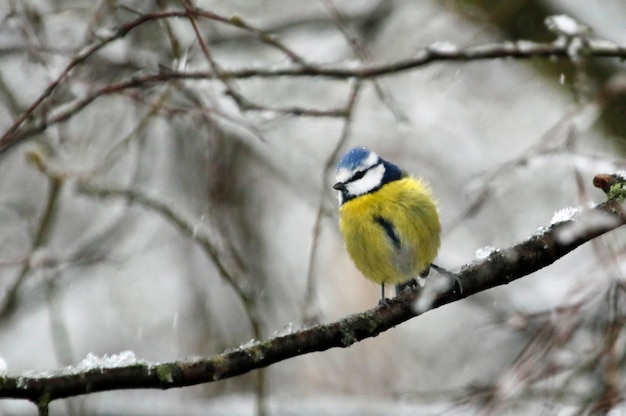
42 232
186 227
362 52
557 140
242 102
10 136
426 56
309 314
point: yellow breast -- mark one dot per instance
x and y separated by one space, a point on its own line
392 234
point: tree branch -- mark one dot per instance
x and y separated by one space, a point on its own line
438 52
499 268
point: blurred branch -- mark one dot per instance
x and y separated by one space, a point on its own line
557 141
541 361
40 239
499 268
363 54
611 394
232 91
229 86
438 52
309 313
546 342
10 137
187 228
122 146
127 27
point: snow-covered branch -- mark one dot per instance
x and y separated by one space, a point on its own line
498 267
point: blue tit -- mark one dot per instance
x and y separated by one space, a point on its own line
388 219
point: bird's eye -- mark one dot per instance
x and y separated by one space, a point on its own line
357 176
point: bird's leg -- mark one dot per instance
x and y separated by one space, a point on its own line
382 300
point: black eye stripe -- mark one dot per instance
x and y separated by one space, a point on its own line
358 175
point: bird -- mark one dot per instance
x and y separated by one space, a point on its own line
388 219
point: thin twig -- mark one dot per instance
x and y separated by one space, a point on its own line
364 55
186 227
515 50
42 233
10 135
309 314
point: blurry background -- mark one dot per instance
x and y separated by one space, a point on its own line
188 215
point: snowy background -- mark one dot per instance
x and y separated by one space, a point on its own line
504 143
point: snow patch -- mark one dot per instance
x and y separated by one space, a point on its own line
4 368
565 25
565 214
443 48
484 252
92 361
287 329
584 225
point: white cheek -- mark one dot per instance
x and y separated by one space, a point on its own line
371 180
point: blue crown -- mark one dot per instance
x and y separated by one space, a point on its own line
354 159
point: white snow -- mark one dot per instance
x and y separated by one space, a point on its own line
602 44
526 45
574 48
251 343
248 344
423 303
590 221
565 214
434 285
565 25
92 361
484 252
443 48
287 329
4 368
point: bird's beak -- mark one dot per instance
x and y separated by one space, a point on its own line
339 186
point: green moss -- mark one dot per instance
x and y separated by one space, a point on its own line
617 192
165 372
